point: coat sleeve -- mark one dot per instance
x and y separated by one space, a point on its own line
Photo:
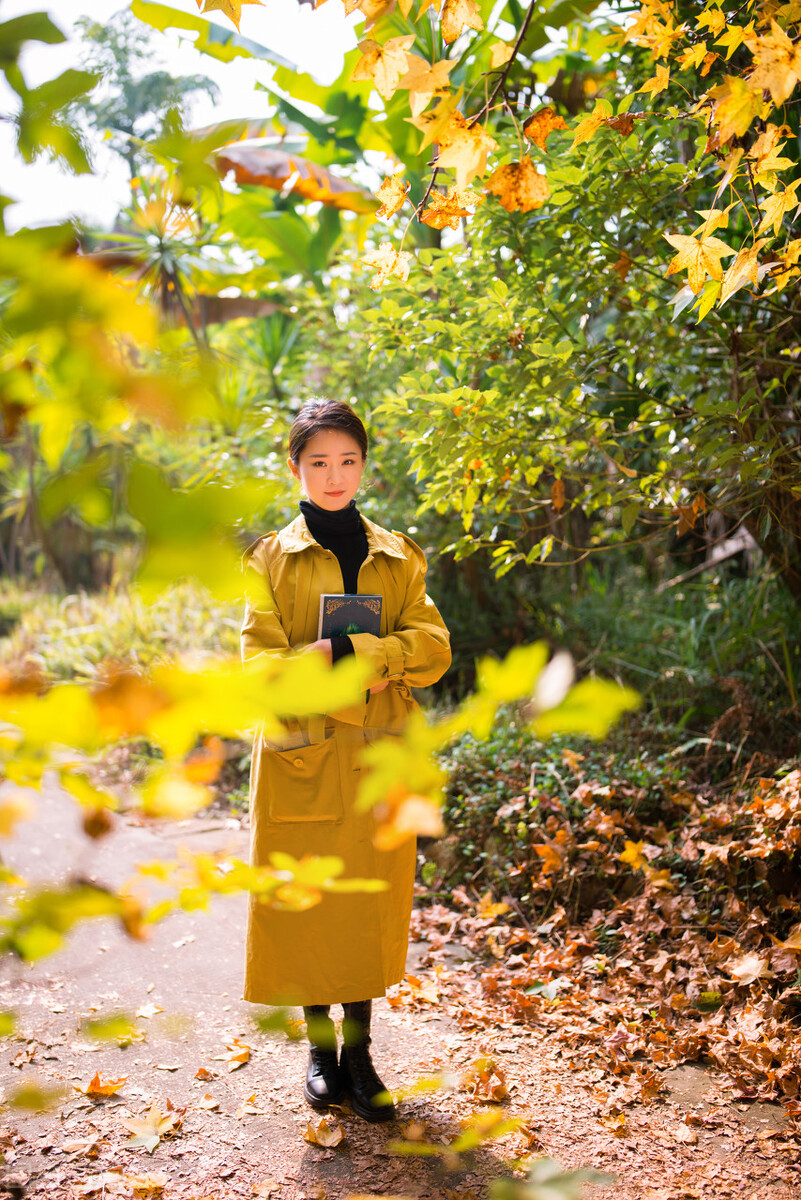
417 652
262 631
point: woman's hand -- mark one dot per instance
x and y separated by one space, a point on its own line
379 687
323 646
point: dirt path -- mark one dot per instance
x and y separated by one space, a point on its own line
238 1132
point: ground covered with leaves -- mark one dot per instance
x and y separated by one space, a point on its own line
652 1038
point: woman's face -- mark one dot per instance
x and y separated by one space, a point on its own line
329 469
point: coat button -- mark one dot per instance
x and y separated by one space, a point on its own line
298 762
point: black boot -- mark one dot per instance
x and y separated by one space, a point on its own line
369 1097
323 1084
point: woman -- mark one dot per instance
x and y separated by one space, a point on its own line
350 947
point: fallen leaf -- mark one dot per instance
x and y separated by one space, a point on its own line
327 1134
749 968
101 1087
240 1054
209 1103
147 1185
148 1131
148 1010
205 1074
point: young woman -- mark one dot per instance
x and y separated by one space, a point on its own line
350 947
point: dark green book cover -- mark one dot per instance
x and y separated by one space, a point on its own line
341 614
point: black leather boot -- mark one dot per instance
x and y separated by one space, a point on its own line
323 1084
369 1097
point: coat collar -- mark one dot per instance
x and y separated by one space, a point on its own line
296 536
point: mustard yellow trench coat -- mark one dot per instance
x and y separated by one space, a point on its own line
302 790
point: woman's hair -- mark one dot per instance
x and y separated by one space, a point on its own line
318 415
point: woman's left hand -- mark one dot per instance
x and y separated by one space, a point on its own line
323 646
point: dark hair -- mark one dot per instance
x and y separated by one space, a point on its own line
318 415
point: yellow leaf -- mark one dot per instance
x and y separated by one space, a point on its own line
465 149
519 186
749 968
403 815
734 36
543 122
738 105
774 207
447 210
743 270
384 65
591 124
699 257
458 15
501 53
713 18
693 56
392 194
13 809
632 854
714 218
327 1133
387 261
229 8
373 10
488 908
424 81
239 1054
168 794
433 124
778 63
657 83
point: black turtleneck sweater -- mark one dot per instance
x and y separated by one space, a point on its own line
343 534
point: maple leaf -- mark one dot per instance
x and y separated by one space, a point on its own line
693 56
744 269
749 968
384 65
149 1131
424 81
500 54
738 105
147 1185
714 218
433 124
392 194
658 82
713 18
591 124
551 858
774 207
373 10
447 210
465 148
387 261
633 855
327 1134
778 63
101 1087
488 908
458 15
519 186
699 257
543 122
229 8
734 36
240 1054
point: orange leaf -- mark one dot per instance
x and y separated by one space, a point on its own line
541 124
519 186
551 858
558 494
101 1087
447 210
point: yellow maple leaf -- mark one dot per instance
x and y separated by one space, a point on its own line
229 8
500 54
778 63
699 257
425 81
734 36
591 124
392 194
465 148
101 1087
458 15
774 207
384 65
693 56
768 165
744 269
713 18
543 122
434 123
519 186
552 860
373 10
633 855
327 1133
738 105
714 218
387 261
447 210
489 908
658 82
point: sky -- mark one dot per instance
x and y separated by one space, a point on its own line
314 40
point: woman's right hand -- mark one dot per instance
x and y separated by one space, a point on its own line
379 687
322 646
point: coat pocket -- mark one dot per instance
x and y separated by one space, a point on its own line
304 784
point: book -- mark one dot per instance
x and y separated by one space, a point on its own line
341 614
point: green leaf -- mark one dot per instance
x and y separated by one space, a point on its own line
214 40
628 518
30 27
